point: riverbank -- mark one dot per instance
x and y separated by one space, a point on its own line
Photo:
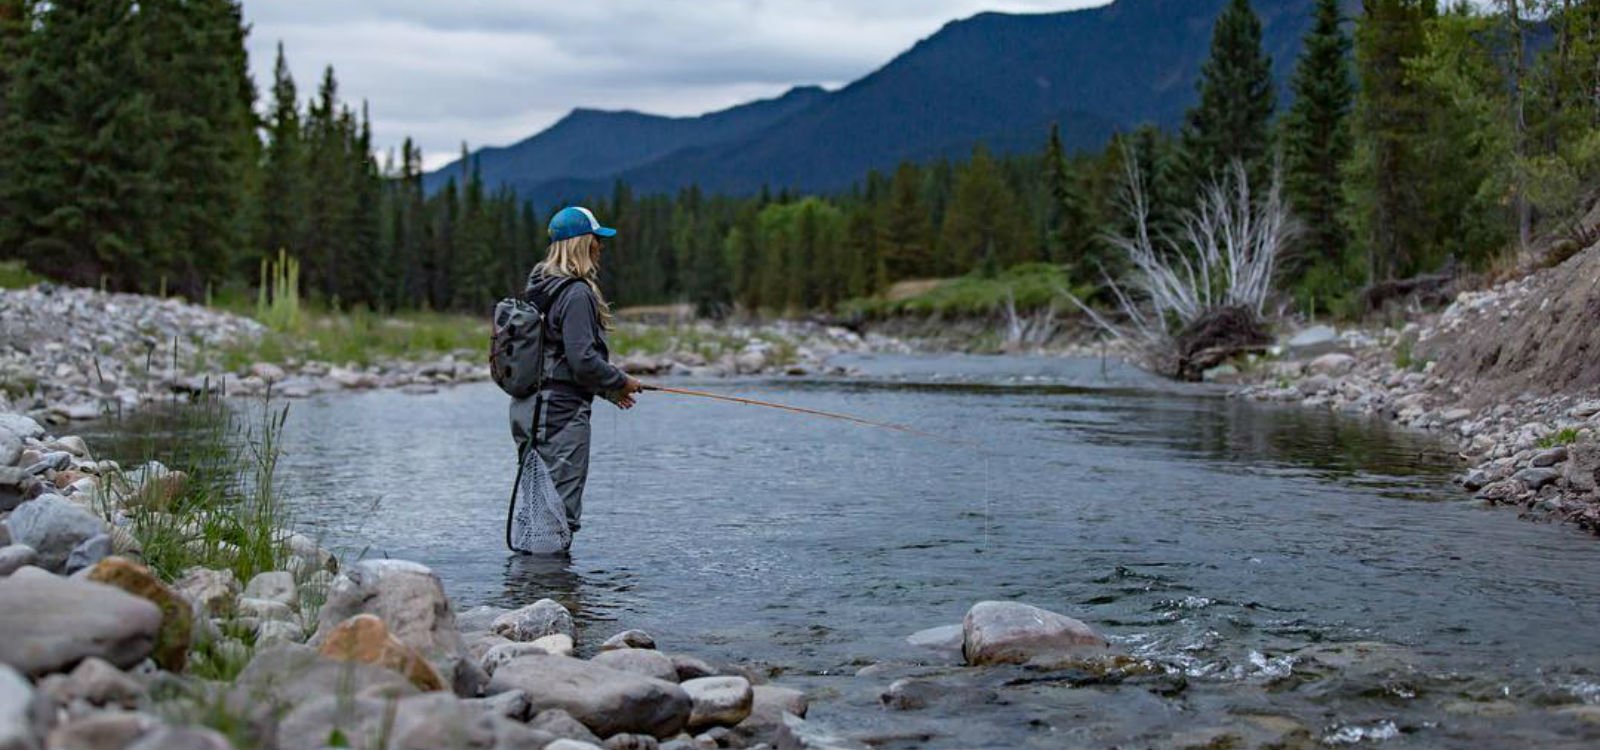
76 354
113 639
1508 373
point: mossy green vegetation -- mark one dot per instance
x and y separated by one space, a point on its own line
1563 436
15 275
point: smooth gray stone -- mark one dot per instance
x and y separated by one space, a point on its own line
1017 633
719 701
535 621
52 623
18 730
607 701
53 525
639 661
15 557
90 551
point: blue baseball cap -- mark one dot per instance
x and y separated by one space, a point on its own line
575 221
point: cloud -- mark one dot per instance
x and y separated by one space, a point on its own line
490 72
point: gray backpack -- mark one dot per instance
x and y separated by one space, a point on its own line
516 344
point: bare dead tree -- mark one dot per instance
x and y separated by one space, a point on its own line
1222 256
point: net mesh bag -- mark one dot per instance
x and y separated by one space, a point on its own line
538 520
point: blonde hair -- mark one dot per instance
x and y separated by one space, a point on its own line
578 258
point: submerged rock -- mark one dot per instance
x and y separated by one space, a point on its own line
535 621
52 623
1016 633
607 701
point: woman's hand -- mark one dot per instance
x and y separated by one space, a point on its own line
623 398
631 386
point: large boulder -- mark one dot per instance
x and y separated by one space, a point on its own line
432 721
52 623
283 677
364 638
718 701
53 525
277 586
535 621
411 601
1017 633
177 618
21 426
643 661
1582 471
607 701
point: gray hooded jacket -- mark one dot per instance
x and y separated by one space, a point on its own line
581 360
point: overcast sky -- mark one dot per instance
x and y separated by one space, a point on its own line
491 72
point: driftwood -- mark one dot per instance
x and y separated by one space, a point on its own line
1217 336
1427 289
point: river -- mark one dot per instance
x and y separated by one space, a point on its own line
1241 548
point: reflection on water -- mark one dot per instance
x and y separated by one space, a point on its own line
1219 539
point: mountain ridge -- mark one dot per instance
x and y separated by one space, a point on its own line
996 78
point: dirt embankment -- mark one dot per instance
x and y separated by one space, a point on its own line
1538 336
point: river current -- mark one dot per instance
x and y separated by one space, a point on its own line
1295 578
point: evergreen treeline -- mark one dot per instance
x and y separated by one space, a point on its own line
132 156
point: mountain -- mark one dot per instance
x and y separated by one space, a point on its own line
995 78
588 143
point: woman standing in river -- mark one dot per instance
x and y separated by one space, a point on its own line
577 366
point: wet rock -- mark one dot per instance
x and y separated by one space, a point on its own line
944 639
182 738
537 620
639 661
1313 341
512 704
22 427
177 619
52 623
211 592
10 448
559 644
53 525
689 668
1548 457
365 638
607 701
100 730
1332 365
562 724
1536 479
718 701
479 644
277 586
310 556
14 557
264 609
510 650
911 693
1500 491
629 639
631 742
97 682
1017 633
282 678
1583 466
90 551
18 730
477 619
411 601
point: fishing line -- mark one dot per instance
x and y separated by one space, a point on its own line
803 410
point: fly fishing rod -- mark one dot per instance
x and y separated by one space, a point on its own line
794 409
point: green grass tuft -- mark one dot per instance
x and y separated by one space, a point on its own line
15 275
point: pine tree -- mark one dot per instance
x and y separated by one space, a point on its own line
1317 141
1390 122
284 180
906 230
982 228
1236 101
1070 234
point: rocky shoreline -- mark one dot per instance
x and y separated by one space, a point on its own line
1533 444
77 354
97 650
